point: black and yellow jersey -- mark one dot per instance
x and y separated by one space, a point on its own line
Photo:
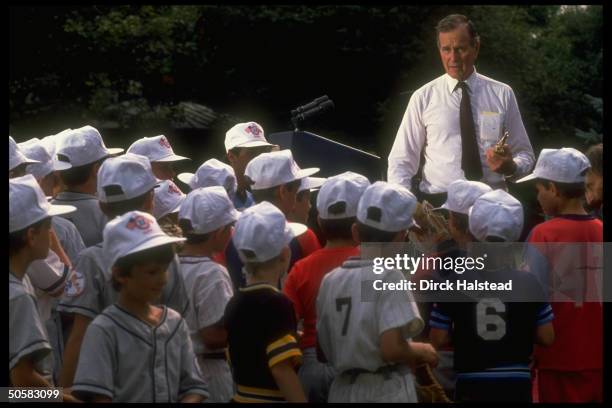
261 328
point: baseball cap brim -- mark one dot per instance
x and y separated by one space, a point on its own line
527 178
254 143
172 158
60 209
60 165
306 172
294 229
311 183
156 241
112 151
186 177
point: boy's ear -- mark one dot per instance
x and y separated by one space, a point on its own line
552 187
115 272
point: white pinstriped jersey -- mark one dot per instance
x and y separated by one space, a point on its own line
130 360
349 327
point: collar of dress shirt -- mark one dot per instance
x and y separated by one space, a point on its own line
472 81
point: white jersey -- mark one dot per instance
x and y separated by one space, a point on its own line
69 237
349 327
88 218
130 360
27 334
209 288
89 289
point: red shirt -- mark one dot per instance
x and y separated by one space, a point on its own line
578 328
303 282
308 242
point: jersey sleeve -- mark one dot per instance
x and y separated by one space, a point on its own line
175 294
191 379
27 336
84 290
281 337
212 297
96 367
439 317
397 309
545 314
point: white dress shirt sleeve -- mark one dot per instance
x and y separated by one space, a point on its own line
406 151
522 152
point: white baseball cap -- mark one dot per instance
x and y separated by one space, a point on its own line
48 275
249 134
274 169
262 232
208 209
342 193
565 165
461 195
311 183
125 177
36 149
132 232
156 148
82 146
28 204
387 207
496 214
16 156
168 199
211 173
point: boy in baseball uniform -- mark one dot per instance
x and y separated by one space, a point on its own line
30 357
159 152
301 211
125 183
206 218
260 320
85 151
134 351
493 337
337 207
571 370
368 341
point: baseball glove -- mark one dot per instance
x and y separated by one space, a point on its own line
433 227
427 387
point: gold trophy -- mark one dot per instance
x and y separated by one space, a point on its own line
499 146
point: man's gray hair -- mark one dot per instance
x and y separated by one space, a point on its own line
453 21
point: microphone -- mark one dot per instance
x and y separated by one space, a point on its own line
309 106
317 110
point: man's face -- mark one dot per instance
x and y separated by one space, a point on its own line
594 190
457 52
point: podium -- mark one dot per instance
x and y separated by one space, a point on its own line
311 150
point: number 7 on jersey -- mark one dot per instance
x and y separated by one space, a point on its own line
342 302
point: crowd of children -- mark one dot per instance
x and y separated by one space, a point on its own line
123 288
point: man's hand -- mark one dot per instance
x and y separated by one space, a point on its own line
501 162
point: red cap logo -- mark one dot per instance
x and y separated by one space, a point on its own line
253 129
164 142
139 222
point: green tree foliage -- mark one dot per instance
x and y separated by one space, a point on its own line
133 65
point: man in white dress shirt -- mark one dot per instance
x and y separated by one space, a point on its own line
437 123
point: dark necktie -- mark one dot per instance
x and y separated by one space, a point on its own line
470 157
